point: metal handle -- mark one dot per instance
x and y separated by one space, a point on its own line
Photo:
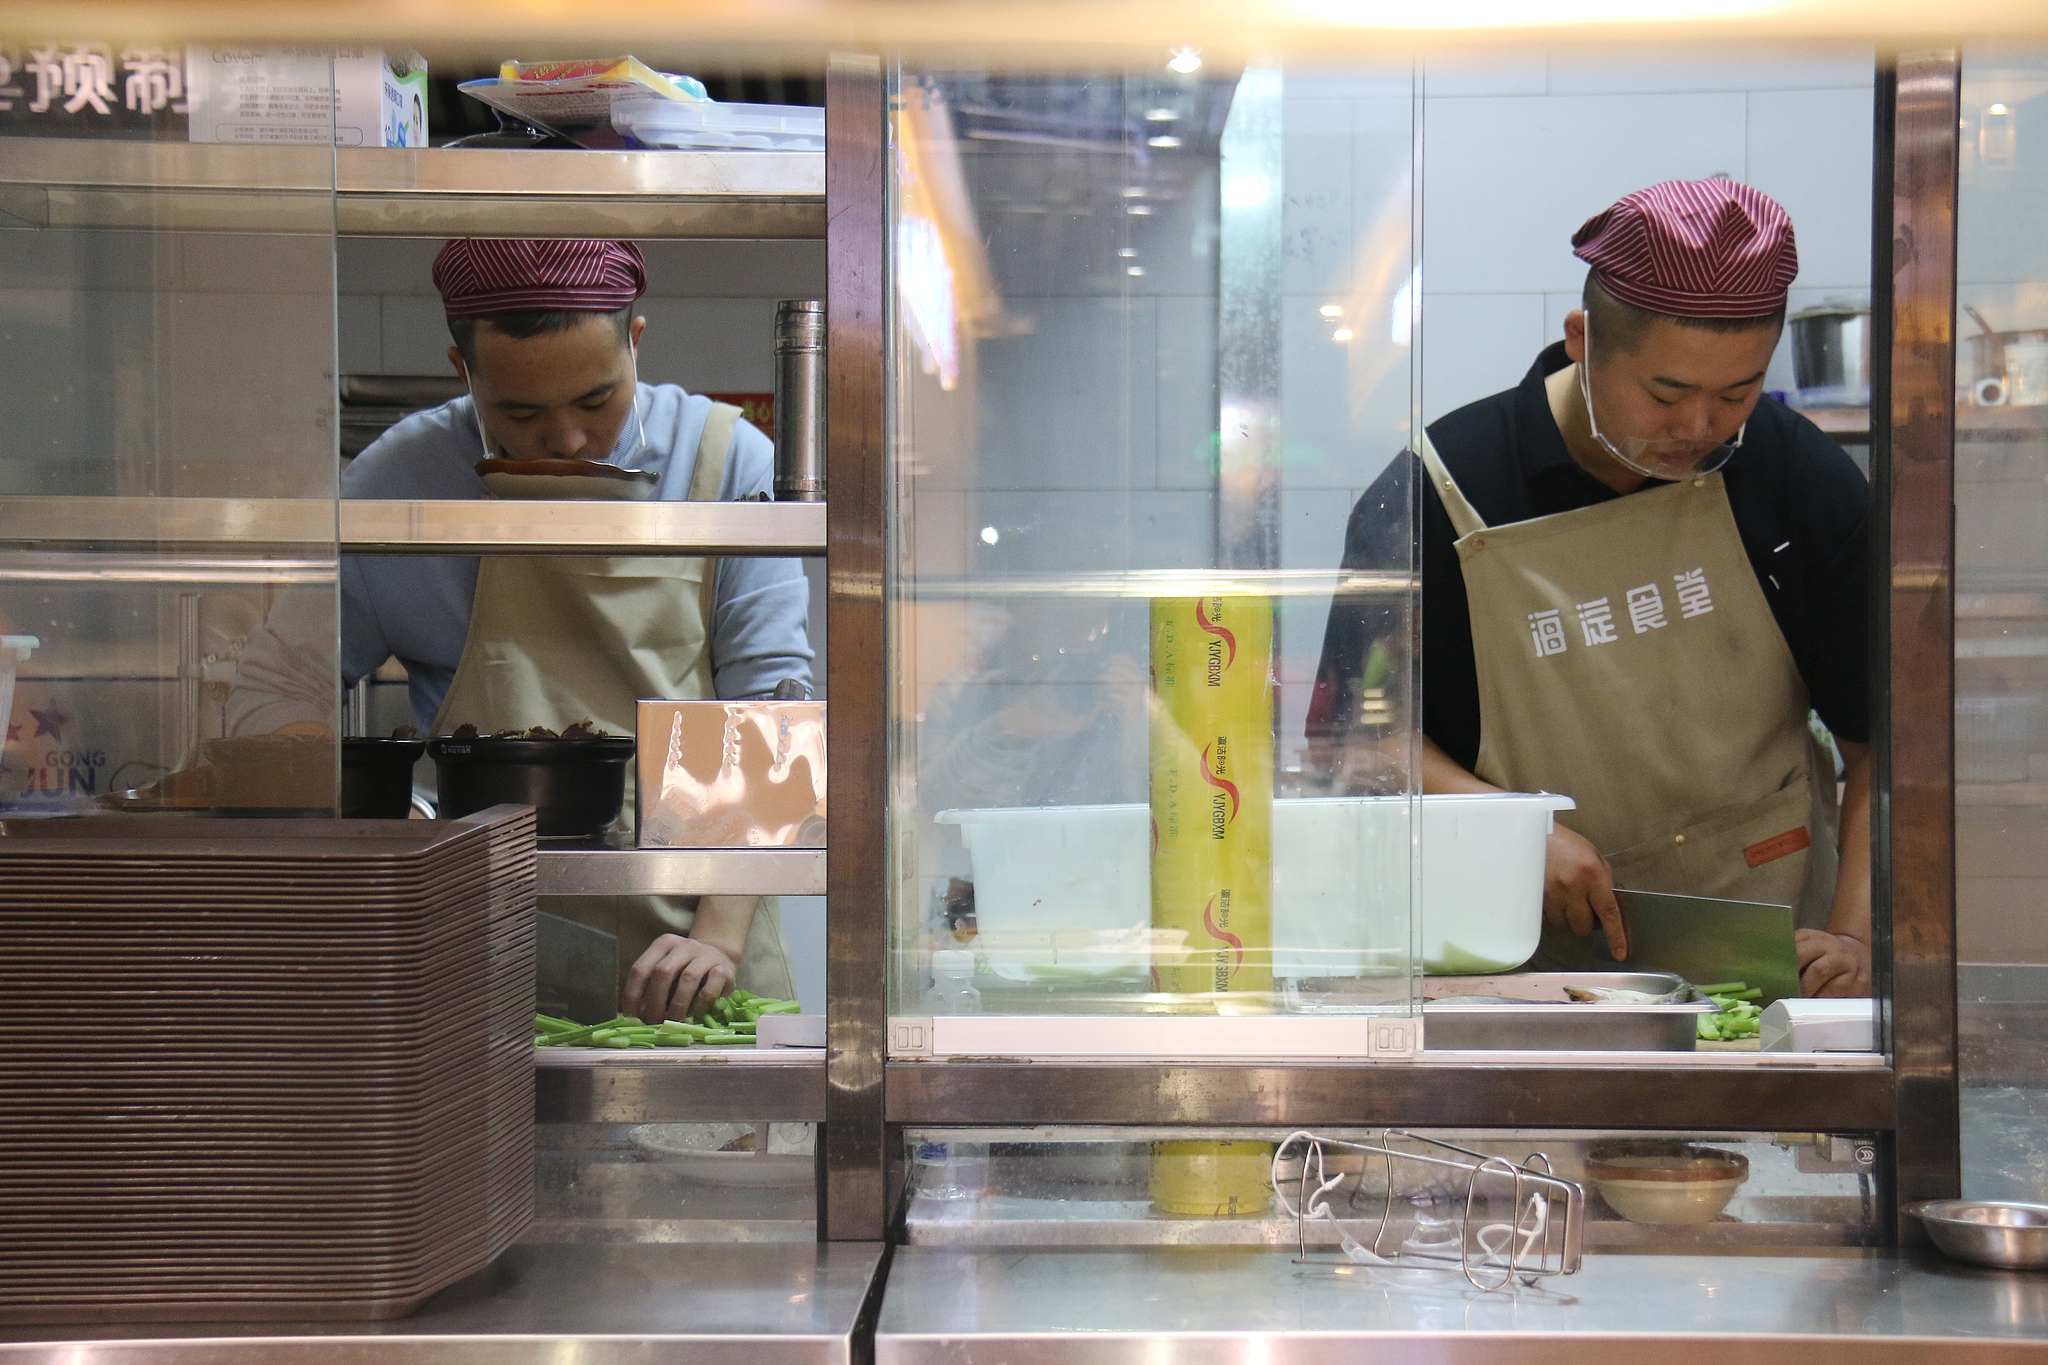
800 400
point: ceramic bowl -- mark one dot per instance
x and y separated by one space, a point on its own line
1666 1182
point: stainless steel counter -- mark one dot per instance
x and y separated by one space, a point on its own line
1224 1307
594 1305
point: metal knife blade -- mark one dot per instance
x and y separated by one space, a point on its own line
1707 940
576 970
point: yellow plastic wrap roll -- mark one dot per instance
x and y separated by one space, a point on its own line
1212 1179
1212 794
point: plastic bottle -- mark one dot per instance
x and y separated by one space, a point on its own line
952 1170
952 989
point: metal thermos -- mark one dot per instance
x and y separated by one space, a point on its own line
800 400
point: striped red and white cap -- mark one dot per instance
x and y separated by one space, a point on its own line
1693 249
480 276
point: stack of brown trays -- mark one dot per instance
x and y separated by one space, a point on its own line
261 1069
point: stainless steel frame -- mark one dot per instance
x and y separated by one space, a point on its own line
857 1158
1913 463
363 191
680 871
1553 1091
1496 1094
741 1089
399 526
1230 1306
760 1304
855 1093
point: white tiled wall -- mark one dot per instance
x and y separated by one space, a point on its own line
1522 148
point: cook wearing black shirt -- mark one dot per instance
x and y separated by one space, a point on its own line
1570 641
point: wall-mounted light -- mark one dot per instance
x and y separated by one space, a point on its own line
1998 136
1160 116
989 535
1139 210
1163 141
1244 191
1135 270
1127 252
1185 61
1341 334
1332 310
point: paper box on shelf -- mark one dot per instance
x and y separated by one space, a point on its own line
731 774
282 94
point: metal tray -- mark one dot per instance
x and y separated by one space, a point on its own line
1532 1012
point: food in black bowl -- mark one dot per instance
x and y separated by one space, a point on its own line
376 777
576 782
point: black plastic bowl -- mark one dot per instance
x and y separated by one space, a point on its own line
376 777
576 786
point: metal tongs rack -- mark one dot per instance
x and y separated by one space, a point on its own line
1544 1236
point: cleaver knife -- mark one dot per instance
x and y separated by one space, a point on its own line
1706 941
576 970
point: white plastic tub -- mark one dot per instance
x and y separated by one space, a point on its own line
14 649
1065 892
708 126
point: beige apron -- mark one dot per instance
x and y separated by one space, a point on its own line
1627 659
558 639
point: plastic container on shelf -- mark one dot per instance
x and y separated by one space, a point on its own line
952 990
14 650
952 1170
1994 735
1063 892
708 126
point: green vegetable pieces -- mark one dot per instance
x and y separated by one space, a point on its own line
728 1023
1740 1016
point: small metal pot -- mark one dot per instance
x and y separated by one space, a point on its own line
376 777
1831 352
576 786
1987 1231
1984 353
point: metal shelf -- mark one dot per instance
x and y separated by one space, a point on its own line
680 872
733 1085
1490 1090
303 527
597 528
399 192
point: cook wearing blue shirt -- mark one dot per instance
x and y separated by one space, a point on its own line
547 343
417 609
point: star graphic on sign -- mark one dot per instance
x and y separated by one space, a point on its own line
51 722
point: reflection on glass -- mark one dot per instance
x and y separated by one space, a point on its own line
674 1182
166 487
1402 1196
1138 381
2001 668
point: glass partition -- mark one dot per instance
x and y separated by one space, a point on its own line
1242 1187
1152 339
167 526
2001 508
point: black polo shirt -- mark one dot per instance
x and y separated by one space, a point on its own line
1801 506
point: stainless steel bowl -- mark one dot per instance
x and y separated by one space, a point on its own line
1987 1231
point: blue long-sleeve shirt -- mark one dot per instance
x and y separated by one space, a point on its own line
417 608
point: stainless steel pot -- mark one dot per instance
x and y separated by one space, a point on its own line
1984 353
1831 352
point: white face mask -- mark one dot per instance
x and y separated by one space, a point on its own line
1670 460
631 458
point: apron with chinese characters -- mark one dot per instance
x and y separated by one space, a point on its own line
558 639
1627 659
